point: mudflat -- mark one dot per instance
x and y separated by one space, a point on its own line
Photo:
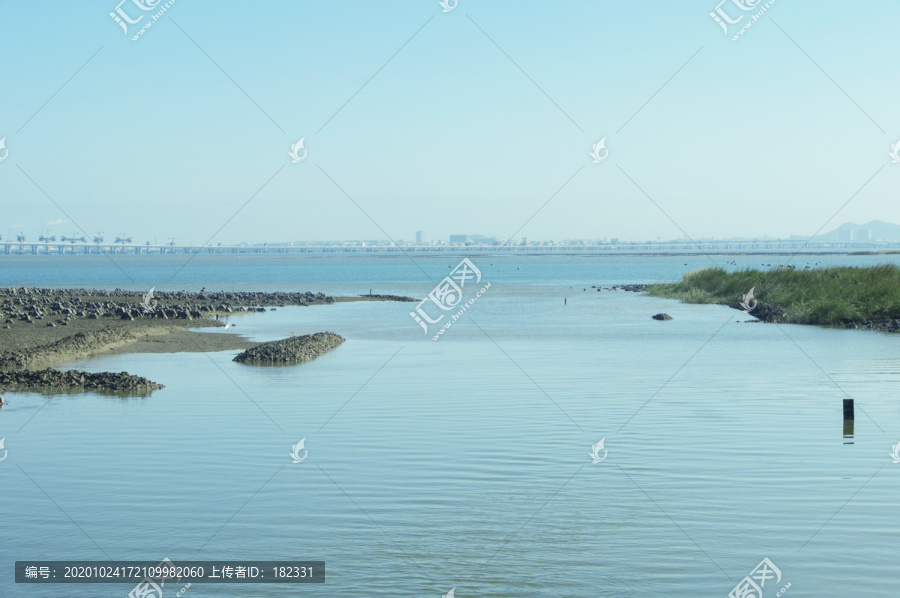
41 328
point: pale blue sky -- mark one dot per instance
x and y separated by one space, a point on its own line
152 139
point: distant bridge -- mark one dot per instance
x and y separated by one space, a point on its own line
767 246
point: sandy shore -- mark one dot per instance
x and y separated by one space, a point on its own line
41 328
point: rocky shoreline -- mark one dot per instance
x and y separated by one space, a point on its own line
73 380
774 314
882 326
764 312
296 349
634 288
388 298
60 306
78 345
43 327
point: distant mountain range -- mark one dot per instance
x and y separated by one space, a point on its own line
876 230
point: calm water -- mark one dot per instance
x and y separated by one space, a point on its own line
465 462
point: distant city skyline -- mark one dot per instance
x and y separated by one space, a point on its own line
873 231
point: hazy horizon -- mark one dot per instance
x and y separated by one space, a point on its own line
480 120
57 232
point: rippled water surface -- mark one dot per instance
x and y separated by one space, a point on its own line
465 462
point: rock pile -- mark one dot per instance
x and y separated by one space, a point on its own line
56 380
763 311
882 326
296 349
635 288
60 306
390 297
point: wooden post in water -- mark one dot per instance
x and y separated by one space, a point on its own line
848 421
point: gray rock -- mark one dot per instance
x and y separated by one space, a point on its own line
296 349
59 381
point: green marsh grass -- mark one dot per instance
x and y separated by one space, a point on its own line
829 296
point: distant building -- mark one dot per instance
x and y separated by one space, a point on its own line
420 237
459 238
854 235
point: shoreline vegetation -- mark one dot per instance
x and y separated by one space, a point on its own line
845 297
41 328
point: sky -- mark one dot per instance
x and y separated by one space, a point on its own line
477 120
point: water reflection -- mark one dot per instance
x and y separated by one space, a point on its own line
848 431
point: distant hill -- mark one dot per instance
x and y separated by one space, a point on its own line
876 230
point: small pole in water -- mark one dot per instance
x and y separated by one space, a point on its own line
565 300
848 408
848 421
